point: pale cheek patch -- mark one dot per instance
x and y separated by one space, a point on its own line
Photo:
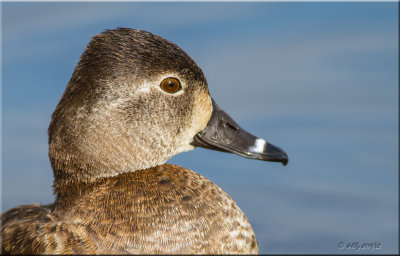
146 87
258 147
143 89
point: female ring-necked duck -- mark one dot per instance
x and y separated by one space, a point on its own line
135 100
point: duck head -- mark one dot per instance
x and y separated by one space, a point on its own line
134 100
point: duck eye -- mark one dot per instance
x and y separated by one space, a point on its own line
170 85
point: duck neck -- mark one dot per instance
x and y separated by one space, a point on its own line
68 186
68 191
73 193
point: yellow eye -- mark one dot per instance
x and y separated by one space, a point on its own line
170 85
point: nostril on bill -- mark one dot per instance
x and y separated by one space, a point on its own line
231 126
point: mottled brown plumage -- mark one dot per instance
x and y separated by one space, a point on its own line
110 136
165 209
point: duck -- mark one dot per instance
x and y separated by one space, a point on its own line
133 101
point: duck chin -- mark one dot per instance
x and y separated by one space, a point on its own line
185 148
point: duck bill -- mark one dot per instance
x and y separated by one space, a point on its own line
224 134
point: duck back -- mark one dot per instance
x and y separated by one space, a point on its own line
165 209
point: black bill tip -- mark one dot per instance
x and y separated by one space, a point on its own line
275 153
224 134
262 150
